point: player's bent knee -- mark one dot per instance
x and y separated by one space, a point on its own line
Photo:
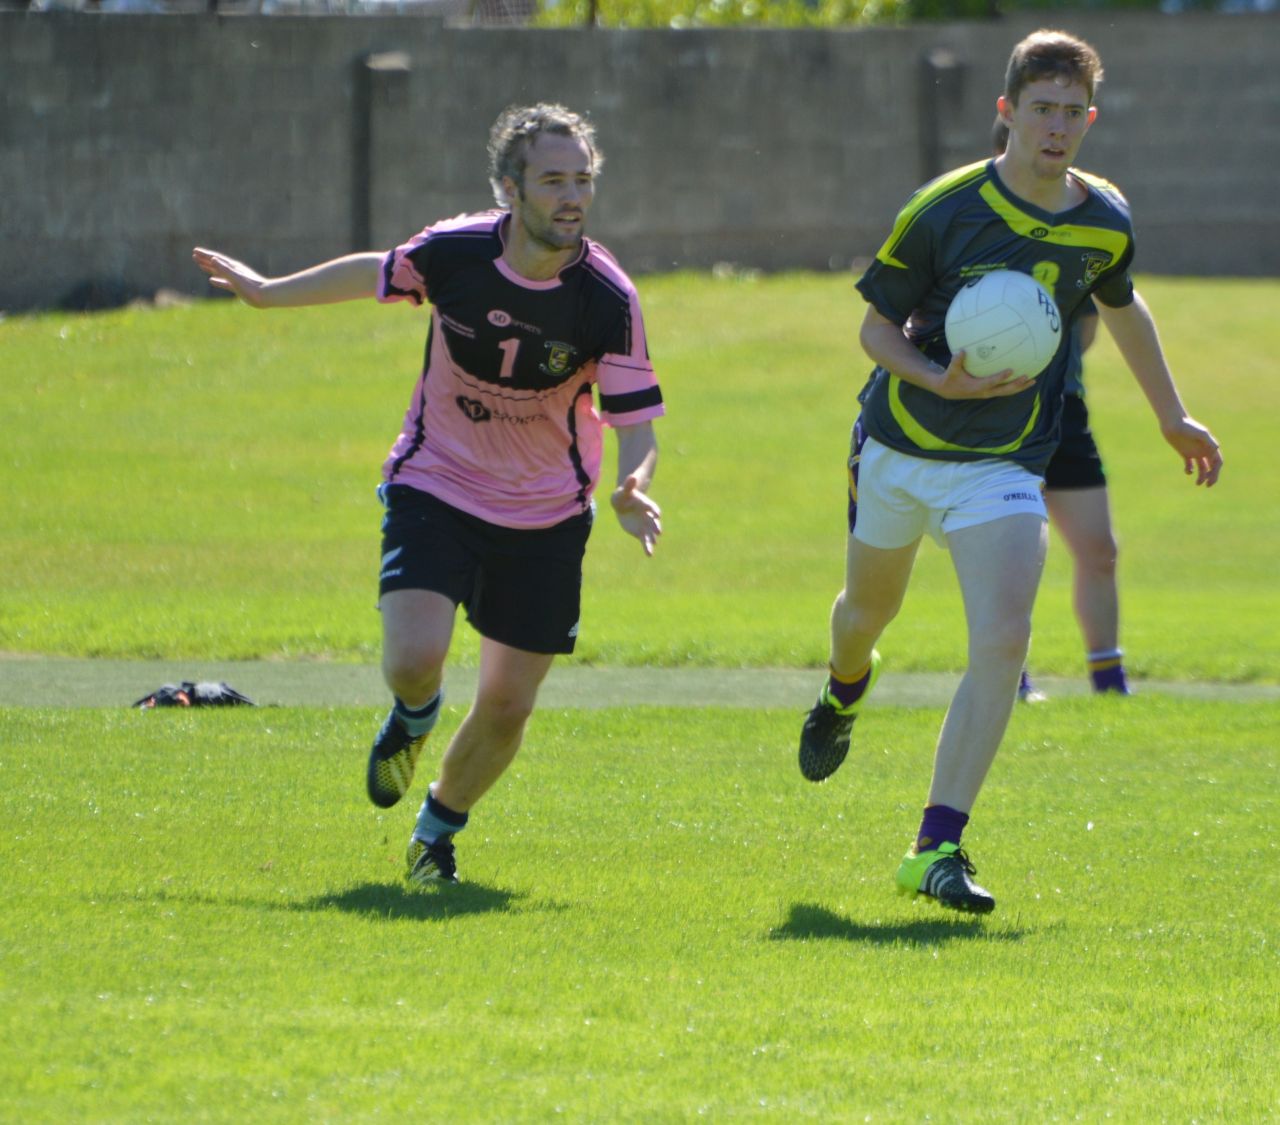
1102 557
413 672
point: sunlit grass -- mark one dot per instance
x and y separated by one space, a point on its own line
204 920
199 482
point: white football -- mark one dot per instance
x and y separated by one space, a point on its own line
1004 319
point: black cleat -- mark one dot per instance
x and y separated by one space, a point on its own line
392 761
431 863
824 740
943 876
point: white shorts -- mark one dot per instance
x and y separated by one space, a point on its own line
901 497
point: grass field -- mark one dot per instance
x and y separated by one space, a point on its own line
204 917
660 922
199 482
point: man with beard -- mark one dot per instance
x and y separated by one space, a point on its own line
488 488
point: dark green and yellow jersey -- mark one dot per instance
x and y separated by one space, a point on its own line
1075 368
967 223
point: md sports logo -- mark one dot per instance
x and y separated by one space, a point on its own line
500 318
476 411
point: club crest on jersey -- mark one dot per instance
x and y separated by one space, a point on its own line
559 358
1094 263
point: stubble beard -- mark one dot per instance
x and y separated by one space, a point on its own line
545 237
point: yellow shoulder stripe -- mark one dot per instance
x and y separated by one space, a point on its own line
920 202
1096 181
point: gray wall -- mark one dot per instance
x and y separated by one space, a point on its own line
125 140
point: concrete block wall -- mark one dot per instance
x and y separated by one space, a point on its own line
125 140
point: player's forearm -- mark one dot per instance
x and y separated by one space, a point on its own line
342 279
1134 332
885 344
637 454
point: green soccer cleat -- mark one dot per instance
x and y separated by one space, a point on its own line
943 876
392 761
430 863
824 740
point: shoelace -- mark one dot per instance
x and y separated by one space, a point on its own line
943 875
441 853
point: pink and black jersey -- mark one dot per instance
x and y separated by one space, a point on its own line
502 423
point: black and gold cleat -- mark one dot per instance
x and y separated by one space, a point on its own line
392 761
431 863
824 739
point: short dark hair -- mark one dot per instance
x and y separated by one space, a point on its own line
519 126
999 136
1052 54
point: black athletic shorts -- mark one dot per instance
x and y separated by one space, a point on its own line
1076 463
520 587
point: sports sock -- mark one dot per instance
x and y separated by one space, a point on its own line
419 721
847 692
941 824
1106 670
436 819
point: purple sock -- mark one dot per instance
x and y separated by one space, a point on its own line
1106 670
941 824
847 693
1110 679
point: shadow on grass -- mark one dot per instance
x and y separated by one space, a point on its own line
383 900
807 922
379 900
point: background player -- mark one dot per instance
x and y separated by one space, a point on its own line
488 488
1080 508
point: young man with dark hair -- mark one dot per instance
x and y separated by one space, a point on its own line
488 488
936 450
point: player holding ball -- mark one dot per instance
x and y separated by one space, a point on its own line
937 450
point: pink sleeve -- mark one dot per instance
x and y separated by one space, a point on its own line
399 278
629 391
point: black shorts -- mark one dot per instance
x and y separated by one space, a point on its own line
520 587
1076 463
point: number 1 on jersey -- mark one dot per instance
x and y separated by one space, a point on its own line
509 349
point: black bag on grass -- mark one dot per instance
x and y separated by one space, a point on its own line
188 694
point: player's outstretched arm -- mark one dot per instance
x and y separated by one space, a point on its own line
342 279
637 460
885 343
1134 331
